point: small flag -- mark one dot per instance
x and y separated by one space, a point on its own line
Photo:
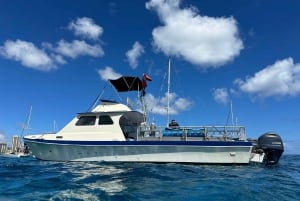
147 77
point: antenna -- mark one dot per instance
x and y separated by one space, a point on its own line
54 126
231 112
168 92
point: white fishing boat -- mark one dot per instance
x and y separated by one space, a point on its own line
112 131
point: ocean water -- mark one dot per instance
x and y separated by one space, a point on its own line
30 179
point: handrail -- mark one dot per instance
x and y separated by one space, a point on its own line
206 132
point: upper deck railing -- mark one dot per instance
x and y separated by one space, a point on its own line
203 132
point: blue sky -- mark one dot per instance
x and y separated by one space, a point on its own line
57 55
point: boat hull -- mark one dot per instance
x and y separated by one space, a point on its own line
205 152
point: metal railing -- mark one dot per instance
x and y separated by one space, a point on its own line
186 132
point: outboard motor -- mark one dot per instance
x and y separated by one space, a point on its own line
272 146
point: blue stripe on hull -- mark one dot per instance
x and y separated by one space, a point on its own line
143 143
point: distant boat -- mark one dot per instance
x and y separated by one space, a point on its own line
112 131
19 148
16 155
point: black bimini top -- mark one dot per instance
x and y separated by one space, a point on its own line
127 83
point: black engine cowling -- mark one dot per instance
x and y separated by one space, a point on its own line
272 145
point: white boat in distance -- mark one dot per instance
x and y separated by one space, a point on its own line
112 131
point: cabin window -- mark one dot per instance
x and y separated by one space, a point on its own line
86 121
105 120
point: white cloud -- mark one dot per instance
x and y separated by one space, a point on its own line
221 95
159 105
2 137
280 79
108 73
28 54
133 54
50 56
200 40
58 59
85 27
78 48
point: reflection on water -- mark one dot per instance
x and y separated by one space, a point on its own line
93 177
78 194
110 187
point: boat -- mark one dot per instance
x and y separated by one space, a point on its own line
113 132
18 147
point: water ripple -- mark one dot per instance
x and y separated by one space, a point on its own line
30 179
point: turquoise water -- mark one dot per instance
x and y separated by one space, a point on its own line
31 179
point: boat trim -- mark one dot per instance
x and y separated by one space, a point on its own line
143 143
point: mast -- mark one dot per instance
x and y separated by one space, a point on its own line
27 123
25 127
168 91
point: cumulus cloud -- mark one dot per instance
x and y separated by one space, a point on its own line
108 73
201 40
279 79
50 56
221 95
158 105
133 54
2 137
28 54
58 58
86 28
78 48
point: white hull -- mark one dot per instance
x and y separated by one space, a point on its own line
18 155
142 153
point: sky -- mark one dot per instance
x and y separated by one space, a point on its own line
227 57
